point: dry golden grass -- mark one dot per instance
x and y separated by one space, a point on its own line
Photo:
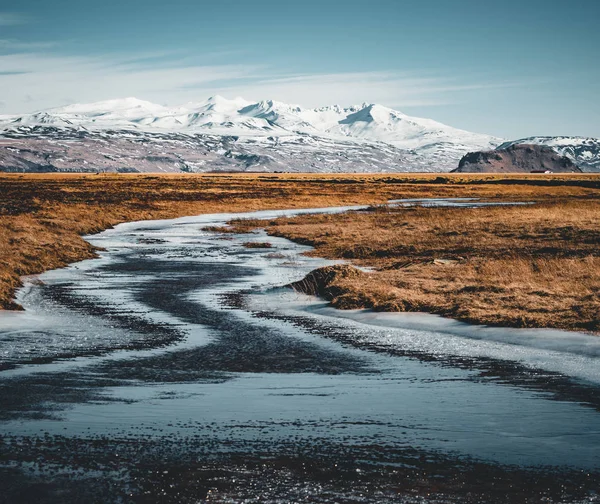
525 266
43 215
258 245
42 218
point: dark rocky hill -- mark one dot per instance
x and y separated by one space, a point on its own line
521 158
583 151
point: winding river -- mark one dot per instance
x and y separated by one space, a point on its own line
174 368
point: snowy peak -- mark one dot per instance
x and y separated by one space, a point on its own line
373 113
223 105
361 127
364 114
217 115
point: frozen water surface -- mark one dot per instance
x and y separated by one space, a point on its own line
176 357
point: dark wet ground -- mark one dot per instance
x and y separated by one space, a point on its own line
151 375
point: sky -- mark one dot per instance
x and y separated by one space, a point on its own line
510 68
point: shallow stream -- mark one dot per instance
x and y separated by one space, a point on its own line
175 368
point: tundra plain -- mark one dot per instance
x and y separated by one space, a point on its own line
526 266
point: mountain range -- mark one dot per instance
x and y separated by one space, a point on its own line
238 135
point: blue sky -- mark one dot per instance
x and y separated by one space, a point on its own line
509 68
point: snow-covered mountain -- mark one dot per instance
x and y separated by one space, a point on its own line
231 134
368 121
584 152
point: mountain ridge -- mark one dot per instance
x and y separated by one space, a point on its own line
368 121
238 134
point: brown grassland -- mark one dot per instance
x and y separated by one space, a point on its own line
520 266
534 266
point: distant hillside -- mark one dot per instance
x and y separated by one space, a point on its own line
584 152
521 158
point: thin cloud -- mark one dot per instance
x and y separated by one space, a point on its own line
12 18
49 78
17 45
398 89
171 78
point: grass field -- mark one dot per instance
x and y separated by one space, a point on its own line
520 266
